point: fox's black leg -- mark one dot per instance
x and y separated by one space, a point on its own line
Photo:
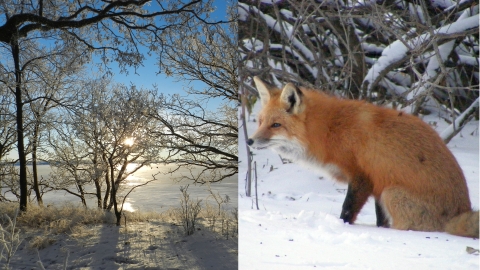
358 192
347 213
382 220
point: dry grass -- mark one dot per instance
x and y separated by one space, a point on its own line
56 219
40 225
41 241
62 218
223 222
142 216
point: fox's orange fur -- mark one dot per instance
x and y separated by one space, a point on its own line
388 154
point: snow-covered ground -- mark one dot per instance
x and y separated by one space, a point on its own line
148 245
298 225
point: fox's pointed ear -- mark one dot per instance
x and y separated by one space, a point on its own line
263 89
292 97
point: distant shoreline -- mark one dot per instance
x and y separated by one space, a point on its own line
48 163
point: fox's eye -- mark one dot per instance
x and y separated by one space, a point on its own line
276 125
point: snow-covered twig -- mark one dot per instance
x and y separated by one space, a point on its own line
9 240
459 123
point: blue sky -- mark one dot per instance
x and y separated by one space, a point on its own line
147 74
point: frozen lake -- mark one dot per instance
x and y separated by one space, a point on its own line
156 196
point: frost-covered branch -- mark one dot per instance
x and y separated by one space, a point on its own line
398 52
459 122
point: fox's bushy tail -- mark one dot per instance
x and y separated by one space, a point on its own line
465 224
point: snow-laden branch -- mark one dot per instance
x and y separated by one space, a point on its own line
398 52
288 30
456 126
290 50
431 72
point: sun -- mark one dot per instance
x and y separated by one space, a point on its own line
129 141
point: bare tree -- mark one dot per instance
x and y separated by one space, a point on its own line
197 135
198 139
188 212
48 85
7 125
7 143
126 141
108 138
204 53
42 69
114 30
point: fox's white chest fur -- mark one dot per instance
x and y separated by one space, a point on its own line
296 152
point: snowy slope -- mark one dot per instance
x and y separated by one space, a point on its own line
298 225
148 245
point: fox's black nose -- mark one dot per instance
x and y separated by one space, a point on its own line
249 141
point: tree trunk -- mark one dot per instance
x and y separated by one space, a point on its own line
82 195
36 187
351 48
107 182
19 118
118 213
96 181
98 192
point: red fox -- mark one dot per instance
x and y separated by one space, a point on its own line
390 155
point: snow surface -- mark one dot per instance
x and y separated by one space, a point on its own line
298 225
149 245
